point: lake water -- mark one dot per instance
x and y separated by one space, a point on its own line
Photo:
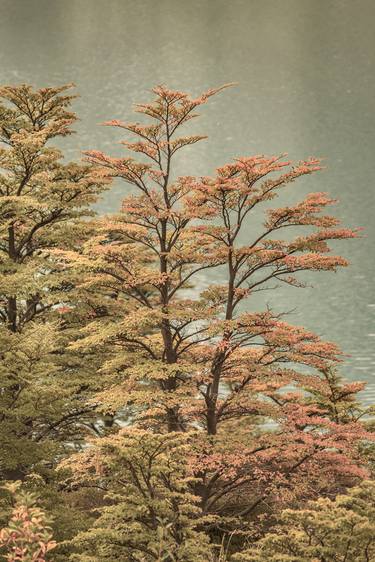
306 75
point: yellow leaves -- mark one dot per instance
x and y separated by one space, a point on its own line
338 529
39 341
149 487
159 370
215 294
131 444
128 330
39 109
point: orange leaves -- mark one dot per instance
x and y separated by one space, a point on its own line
304 213
314 262
127 168
146 131
27 538
185 141
174 107
63 309
242 180
304 452
204 363
146 148
253 167
257 340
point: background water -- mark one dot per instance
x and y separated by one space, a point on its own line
306 77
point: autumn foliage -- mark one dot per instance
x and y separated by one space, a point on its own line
210 418
28 537
340 530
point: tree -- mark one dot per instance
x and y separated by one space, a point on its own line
164 248
178 362
339 530
42 200
150 513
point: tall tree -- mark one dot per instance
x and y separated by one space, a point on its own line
42 199
178 360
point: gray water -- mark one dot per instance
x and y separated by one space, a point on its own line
306 76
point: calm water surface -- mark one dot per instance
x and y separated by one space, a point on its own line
306 79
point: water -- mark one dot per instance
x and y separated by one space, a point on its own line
306 78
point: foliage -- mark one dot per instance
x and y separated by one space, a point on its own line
27 538
180 360
41 200
149 512
339 530
209 416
